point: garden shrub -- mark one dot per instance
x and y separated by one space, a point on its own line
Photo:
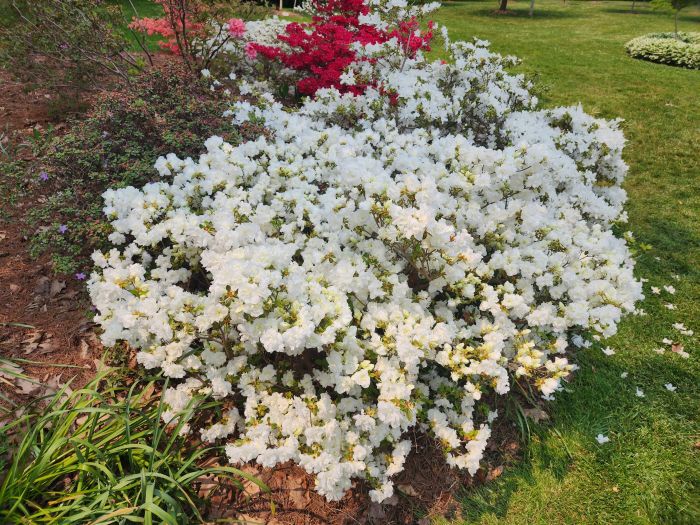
321 50
166 109
196 30
682 49
238 57
380 261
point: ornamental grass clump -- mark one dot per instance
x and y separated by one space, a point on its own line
100 454
383 260
675 49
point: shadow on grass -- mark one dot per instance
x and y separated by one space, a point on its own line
493 498
683 17
518 14
520 11
628 11
598 401
675 241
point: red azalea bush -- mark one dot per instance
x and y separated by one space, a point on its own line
322 49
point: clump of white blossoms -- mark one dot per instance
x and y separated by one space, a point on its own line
378 263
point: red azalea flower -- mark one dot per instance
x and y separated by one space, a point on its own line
322 49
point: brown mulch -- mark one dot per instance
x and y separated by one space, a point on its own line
43 318
426 488
20 107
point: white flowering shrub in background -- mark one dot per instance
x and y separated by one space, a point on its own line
263 32
237 53
379 263
675 49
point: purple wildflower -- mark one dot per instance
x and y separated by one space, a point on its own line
62 228
80 276
43 176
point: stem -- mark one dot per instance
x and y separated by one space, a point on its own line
140 37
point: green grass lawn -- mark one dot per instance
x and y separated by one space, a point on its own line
649 472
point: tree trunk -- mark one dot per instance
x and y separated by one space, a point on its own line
532 8
633 4
504 5
675 20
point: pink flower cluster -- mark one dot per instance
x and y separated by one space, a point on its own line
236 27
250 50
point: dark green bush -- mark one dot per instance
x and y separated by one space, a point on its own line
115 145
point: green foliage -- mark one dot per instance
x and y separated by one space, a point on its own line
13 183
675 49
115 145
672 5
18 177
102 454
675 5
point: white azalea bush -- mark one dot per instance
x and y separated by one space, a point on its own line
375 264
237 57
236 39
675 49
